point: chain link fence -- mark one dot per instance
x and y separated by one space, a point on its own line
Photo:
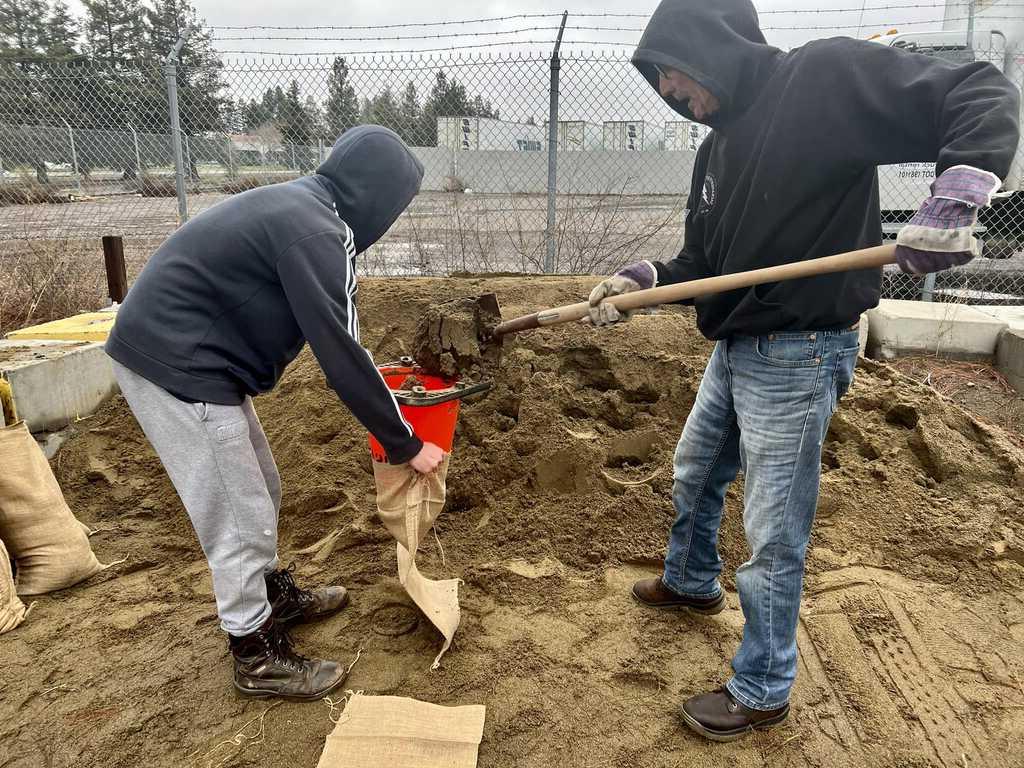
87 151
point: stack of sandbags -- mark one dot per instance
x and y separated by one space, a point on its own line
49 546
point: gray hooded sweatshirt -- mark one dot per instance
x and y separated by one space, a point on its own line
231 297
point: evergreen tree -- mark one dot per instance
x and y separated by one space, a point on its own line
410 116
116 31
22 28
384 111
61 35
342 102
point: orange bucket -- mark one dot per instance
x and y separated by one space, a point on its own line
431 405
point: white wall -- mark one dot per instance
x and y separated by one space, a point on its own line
591 172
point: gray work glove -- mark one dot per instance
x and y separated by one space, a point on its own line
635 277
940 235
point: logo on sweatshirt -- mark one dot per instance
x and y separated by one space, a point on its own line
708 195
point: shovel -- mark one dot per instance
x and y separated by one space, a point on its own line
868 258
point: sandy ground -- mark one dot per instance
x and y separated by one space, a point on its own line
912 629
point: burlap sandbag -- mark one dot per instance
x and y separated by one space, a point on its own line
408 503
397 732
12 610
49 545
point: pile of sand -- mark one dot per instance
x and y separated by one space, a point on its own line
559 496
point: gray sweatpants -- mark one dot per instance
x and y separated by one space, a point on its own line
219 461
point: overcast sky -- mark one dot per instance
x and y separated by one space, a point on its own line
591 91
847 17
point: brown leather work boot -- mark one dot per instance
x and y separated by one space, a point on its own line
719 717
267 665
654 593
292 605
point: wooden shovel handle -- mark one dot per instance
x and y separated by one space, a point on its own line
868 258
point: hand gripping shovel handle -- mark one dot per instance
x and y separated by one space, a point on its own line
868 258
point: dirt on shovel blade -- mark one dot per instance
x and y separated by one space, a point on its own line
454 339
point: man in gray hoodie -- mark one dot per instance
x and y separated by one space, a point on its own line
218 312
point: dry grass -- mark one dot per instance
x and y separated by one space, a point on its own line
977 387
243 184
28 191
42 280
156 186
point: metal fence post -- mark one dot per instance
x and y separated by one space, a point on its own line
138 155
556 65
928 289
171 77
74 155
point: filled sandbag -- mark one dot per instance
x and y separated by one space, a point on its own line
12 610
408 503
50 546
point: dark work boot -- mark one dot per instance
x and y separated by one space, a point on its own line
292 605
654 593
719 717
267 665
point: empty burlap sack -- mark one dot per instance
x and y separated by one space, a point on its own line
49 545
12 610
408 504
397 732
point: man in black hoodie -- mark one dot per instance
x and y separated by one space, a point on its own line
789 173
218 312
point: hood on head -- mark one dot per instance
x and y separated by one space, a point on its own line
718 43
374 177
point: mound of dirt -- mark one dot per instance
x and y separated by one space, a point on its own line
912 638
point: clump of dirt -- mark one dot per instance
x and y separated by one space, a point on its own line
911 643
453 338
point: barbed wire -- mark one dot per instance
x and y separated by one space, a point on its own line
829 27
606 15
390 51
444 35
889 24
406 25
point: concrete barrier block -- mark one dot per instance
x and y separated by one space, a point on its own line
1012 316
1010 357
922 327
54 383
865 323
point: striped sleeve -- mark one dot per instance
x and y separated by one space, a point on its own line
318 277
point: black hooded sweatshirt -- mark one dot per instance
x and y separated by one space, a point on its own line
788 172
229 299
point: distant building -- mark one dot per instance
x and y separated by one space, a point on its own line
486 133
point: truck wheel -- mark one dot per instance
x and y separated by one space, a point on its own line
1000 248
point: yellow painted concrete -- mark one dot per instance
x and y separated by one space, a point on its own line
89 326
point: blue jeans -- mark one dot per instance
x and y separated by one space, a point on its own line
763 405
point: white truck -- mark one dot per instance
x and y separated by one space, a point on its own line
978 30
